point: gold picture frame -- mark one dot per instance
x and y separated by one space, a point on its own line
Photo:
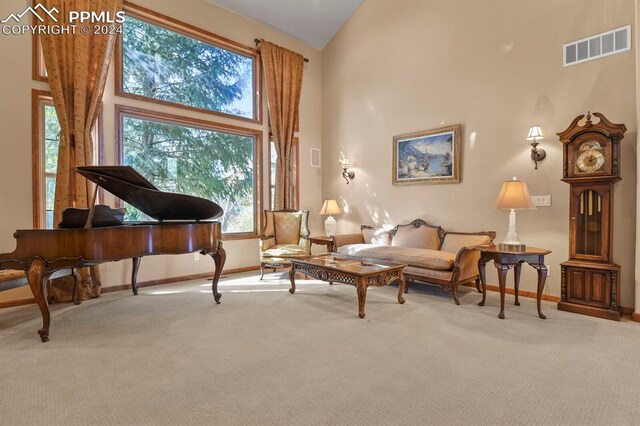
429 156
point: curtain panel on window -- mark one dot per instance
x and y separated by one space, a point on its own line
283 71
77 66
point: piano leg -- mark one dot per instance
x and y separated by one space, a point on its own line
134 275
37 276
218 258
76 286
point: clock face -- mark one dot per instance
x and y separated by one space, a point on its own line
590 161
590 158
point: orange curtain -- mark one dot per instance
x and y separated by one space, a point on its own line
77 67
283 71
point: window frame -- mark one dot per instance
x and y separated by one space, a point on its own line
296 189
38 174
154 18
38 70
122 111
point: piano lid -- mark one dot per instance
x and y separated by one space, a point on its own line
130 186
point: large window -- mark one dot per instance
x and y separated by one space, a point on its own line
165 61
194 157
51 140
160 63
46 138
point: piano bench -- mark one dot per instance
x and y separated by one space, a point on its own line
13 278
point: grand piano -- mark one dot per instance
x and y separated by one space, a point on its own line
183 225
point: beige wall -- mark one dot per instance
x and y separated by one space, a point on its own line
15 144
496 68
636 315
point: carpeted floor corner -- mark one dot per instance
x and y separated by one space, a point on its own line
266 357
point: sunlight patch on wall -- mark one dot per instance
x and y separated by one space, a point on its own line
506 48
345 205
472 139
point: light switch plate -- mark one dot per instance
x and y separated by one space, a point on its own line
541 200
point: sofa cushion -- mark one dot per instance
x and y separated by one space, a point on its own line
379 236
424 258
353 249
424 237
453 242
425 274
287 227
285 250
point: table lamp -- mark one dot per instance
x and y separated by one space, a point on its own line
330 207
514 195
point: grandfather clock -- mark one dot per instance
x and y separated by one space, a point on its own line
590 279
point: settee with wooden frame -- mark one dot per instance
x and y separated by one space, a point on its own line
432 254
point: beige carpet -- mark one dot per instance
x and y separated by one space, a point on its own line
264 356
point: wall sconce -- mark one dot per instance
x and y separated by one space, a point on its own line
346 174
535 133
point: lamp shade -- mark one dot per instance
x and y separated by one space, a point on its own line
535 132
330 207
514 194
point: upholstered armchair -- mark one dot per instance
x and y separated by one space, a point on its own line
285 235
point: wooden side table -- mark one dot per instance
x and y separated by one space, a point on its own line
322 241
505 260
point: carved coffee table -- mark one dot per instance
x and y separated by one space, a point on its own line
342 269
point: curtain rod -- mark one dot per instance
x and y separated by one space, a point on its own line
257 42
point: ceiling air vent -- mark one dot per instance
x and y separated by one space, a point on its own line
598 46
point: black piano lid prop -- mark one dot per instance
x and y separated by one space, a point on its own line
130 186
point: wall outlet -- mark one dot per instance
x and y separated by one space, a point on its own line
541 200
548 270
196 255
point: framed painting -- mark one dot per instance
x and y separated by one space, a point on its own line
430 156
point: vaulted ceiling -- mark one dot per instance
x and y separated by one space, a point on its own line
313 22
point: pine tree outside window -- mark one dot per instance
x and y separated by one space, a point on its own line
166 63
